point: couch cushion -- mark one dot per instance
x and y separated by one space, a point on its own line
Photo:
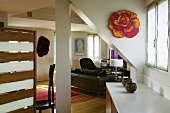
90 72
76 70
102 73
89 82
94 72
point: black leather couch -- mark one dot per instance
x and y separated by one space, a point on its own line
90 82
90 77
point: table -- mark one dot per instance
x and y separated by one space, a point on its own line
144 100
118 76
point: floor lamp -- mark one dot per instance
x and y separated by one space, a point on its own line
116 63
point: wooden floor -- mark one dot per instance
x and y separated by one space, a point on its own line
96 106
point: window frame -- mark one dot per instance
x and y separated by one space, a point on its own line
155 5
99 48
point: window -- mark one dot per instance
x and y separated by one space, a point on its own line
158 40
93 47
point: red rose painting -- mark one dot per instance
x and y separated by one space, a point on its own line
124 23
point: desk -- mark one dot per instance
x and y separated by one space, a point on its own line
144 100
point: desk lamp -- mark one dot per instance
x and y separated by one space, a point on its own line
116 63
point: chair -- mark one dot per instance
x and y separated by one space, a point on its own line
87 63
46 104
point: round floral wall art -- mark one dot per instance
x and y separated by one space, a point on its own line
124 23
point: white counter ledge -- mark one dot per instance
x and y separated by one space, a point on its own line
143 100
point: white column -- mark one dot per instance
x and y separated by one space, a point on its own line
133 74
63 74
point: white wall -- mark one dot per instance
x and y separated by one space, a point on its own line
104 50
158 80
4 18
149 1
98 13
43 63
75 58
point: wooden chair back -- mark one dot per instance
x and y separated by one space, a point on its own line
51 85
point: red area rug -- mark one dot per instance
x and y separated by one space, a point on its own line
76 98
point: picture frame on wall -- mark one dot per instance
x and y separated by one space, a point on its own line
113 54
79 46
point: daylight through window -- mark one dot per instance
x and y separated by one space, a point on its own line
158 40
